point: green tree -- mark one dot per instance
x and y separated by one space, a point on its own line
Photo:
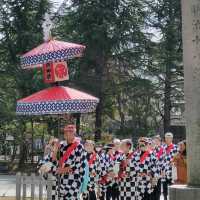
21 30
111 30
165 18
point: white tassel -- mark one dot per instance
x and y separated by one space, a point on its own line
47 26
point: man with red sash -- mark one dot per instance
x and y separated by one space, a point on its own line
93 162
127 175
159 152
68 163
170 151
146 170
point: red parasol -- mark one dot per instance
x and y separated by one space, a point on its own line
57 100
51 51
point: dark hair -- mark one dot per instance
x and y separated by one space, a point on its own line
184 153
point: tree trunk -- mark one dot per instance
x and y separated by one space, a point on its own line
121 114
167 100
78 123
98 122
23 154
14 152
32 140
23 149
99 71
170 49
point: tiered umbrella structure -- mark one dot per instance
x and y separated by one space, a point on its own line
51 51
57 100
52 56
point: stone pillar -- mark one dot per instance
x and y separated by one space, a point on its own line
191 60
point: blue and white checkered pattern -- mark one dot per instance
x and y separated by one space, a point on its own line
52 56
56 107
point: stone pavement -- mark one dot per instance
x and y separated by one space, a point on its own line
8 187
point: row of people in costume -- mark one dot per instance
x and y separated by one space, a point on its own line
137 172
141 171
115 171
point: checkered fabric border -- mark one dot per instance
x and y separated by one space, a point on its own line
52 56
58 107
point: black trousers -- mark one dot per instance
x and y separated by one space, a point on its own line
91 196
112 192
115 191
102 197
157 191
147 196
165 188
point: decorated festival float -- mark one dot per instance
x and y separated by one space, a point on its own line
65 102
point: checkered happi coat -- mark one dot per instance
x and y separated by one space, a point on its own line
128 184
167 167
145 172
93 169
105 166
160 158
94 177
69 185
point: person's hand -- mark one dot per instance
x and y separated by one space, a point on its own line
154 181
98 193
93 174
142 174
60 170
174 163
51 141
54 148
45 168
162 174
111 174
123 175
64 170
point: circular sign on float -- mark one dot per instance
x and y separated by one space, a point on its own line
61 71
55 72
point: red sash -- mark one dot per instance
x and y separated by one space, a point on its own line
112 157
68 153
92 159
160 153
143 157
130 155
123 166
103 180
169 148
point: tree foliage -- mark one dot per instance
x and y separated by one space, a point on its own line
20 29
136 77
